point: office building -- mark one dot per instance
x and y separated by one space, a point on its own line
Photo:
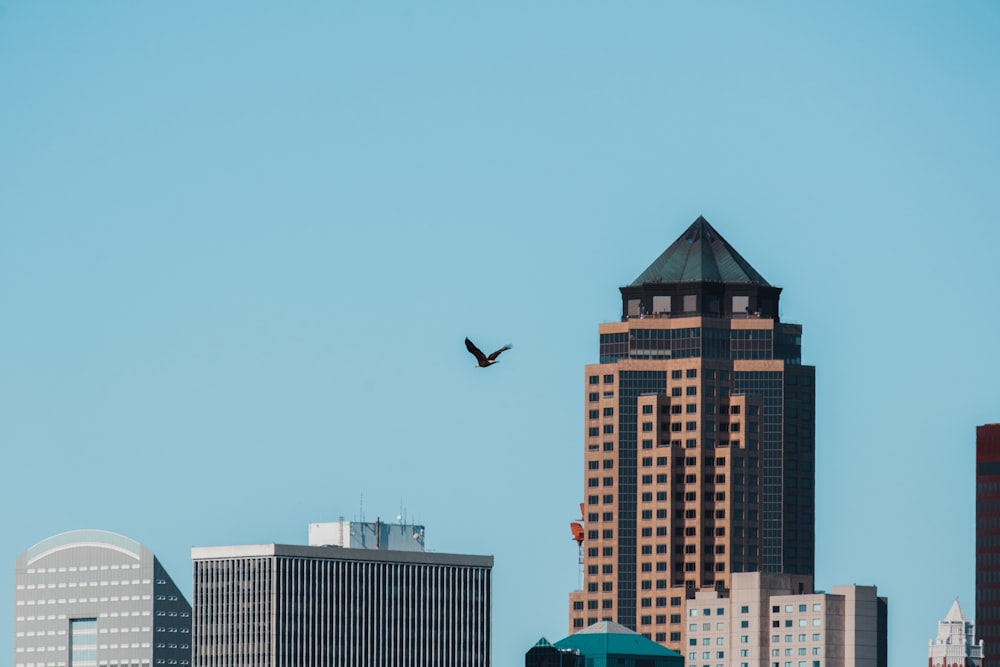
778 620
699 449
955 645
276 605
90 598
988 539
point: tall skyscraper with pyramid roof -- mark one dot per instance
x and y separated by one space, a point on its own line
699 448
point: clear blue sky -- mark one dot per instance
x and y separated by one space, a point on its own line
241 244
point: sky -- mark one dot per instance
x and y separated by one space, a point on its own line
241 245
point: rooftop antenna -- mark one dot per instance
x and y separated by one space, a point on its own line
362 508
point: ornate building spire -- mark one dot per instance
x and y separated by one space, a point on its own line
956 644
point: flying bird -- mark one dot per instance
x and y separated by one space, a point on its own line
482 361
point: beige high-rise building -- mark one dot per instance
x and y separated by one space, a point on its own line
699 449
777 620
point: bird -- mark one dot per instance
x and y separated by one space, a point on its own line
482 361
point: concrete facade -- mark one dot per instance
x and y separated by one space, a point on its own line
776 620
91 598
278 605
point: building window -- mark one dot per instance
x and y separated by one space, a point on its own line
609 379
594 379
83 641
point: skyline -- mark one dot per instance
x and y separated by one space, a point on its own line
240 248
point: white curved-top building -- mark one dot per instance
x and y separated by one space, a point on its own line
92 598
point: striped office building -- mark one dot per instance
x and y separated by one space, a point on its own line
278 605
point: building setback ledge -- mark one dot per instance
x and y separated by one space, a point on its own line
340 553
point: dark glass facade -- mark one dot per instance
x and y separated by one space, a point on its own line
705 342
550 656
787 455
632 384
988 539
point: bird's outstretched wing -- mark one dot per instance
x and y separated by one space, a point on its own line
476 352
496 354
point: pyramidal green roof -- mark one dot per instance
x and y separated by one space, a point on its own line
609 638
700 254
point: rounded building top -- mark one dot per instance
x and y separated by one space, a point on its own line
84 538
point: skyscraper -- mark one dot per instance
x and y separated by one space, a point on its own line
988 539
699 447
89 597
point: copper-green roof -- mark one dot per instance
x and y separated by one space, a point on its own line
609 638
700 254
